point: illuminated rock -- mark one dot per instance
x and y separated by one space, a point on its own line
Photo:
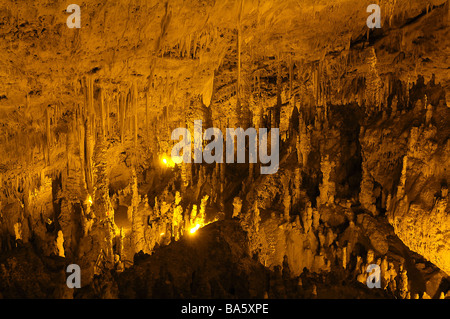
60 244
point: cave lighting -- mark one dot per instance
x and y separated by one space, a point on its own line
194 229
167 161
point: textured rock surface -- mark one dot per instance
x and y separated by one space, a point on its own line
86 117
418 210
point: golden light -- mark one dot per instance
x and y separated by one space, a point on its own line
201 224
167 161
89 199
194 229
162 234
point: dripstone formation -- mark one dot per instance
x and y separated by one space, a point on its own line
87 174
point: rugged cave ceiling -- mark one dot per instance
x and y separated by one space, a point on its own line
86 117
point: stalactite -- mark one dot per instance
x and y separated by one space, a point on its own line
373 84
135 119
147 124
102 111
297 186
128 111
188 46
303 142
121 116
277 115
89 147
222 186
80 133
108 124
286 197
72 185
291 75
48 134
238 86
90 135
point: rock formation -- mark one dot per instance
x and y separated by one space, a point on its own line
104 165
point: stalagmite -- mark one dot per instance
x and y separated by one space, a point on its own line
86 126
307 217
366 197
256 217
344 257
330 237
401 186
120 248
327 187
394 106
287 205
299 151
18 232
404 286
136 223
370 257
202 214
237 206
147 123
429 114
322 238
304 142
286 196
102 203
314 292
118 264
315 219
297 186
177 219
385 275
193 216
60 244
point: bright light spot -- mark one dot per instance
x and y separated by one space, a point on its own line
194 229
162 234
89 200
167 161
